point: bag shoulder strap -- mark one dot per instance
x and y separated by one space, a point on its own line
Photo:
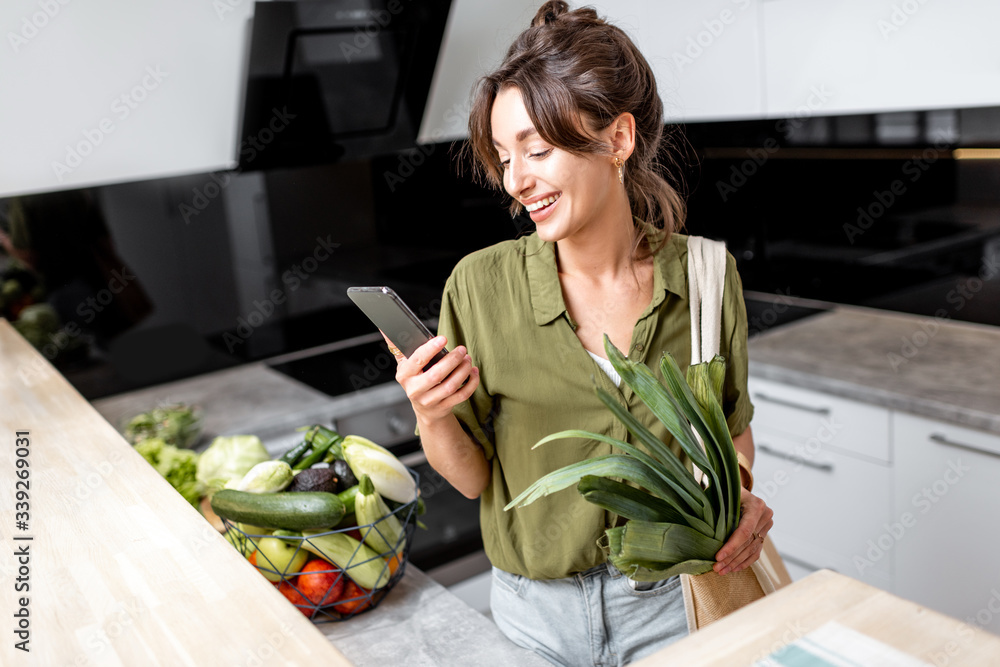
706 261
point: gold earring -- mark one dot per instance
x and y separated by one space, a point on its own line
621 174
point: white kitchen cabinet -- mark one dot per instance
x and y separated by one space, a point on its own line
822 464
946 478
705 55
106 92
864 56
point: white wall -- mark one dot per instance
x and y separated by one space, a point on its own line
105 91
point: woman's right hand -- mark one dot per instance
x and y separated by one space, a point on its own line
434 392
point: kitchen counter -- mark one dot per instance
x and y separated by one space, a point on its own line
935 368
124 571
769 624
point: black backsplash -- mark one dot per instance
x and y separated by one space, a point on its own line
806 214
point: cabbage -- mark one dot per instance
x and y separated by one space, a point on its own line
177 466
229 458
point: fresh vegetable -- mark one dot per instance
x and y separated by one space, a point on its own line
36 323
358 561
292 456
237 539
293 596
380 529
345 476
178 425
267 477
323 440
349 497
277 559
177 466
296 511
354 599
320 582
314 480
674 525
250 529
229 458
390 477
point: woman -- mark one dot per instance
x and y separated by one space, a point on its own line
569 125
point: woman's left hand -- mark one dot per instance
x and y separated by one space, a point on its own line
743 547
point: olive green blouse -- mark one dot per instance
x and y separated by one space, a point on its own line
505 304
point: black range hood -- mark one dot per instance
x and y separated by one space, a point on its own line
332 80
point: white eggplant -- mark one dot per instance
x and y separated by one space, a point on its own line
391 478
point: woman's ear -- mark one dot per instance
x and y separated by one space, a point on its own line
623 135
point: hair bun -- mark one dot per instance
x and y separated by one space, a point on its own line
549 12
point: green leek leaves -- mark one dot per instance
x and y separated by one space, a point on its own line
674 525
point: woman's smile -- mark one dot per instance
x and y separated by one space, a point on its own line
540 209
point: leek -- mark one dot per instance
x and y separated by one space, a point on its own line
673 525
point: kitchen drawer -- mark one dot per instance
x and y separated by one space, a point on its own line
828 505
946 478
810 416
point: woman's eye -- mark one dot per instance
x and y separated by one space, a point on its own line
541 153
503 164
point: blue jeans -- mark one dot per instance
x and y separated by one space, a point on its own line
593 618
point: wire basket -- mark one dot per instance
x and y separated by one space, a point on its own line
330 592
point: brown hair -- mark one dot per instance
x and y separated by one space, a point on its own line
571 66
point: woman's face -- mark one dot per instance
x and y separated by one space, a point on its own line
562 192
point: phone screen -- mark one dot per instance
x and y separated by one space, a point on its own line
396 320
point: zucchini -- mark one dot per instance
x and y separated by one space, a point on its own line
362 564
348 496
291 510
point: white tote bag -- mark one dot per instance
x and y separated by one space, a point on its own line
708 597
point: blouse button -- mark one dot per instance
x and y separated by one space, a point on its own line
638 347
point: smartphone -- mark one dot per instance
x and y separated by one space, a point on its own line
390 314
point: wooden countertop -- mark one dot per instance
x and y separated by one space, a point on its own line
779 619
122 571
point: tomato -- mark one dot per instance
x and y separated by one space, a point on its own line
295 598
354 599
320 582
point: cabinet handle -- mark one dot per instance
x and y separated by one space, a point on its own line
942 440
792 404
825 467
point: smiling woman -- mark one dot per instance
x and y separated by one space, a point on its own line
576 76
570 126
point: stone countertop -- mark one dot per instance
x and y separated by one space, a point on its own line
419 622
935 368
